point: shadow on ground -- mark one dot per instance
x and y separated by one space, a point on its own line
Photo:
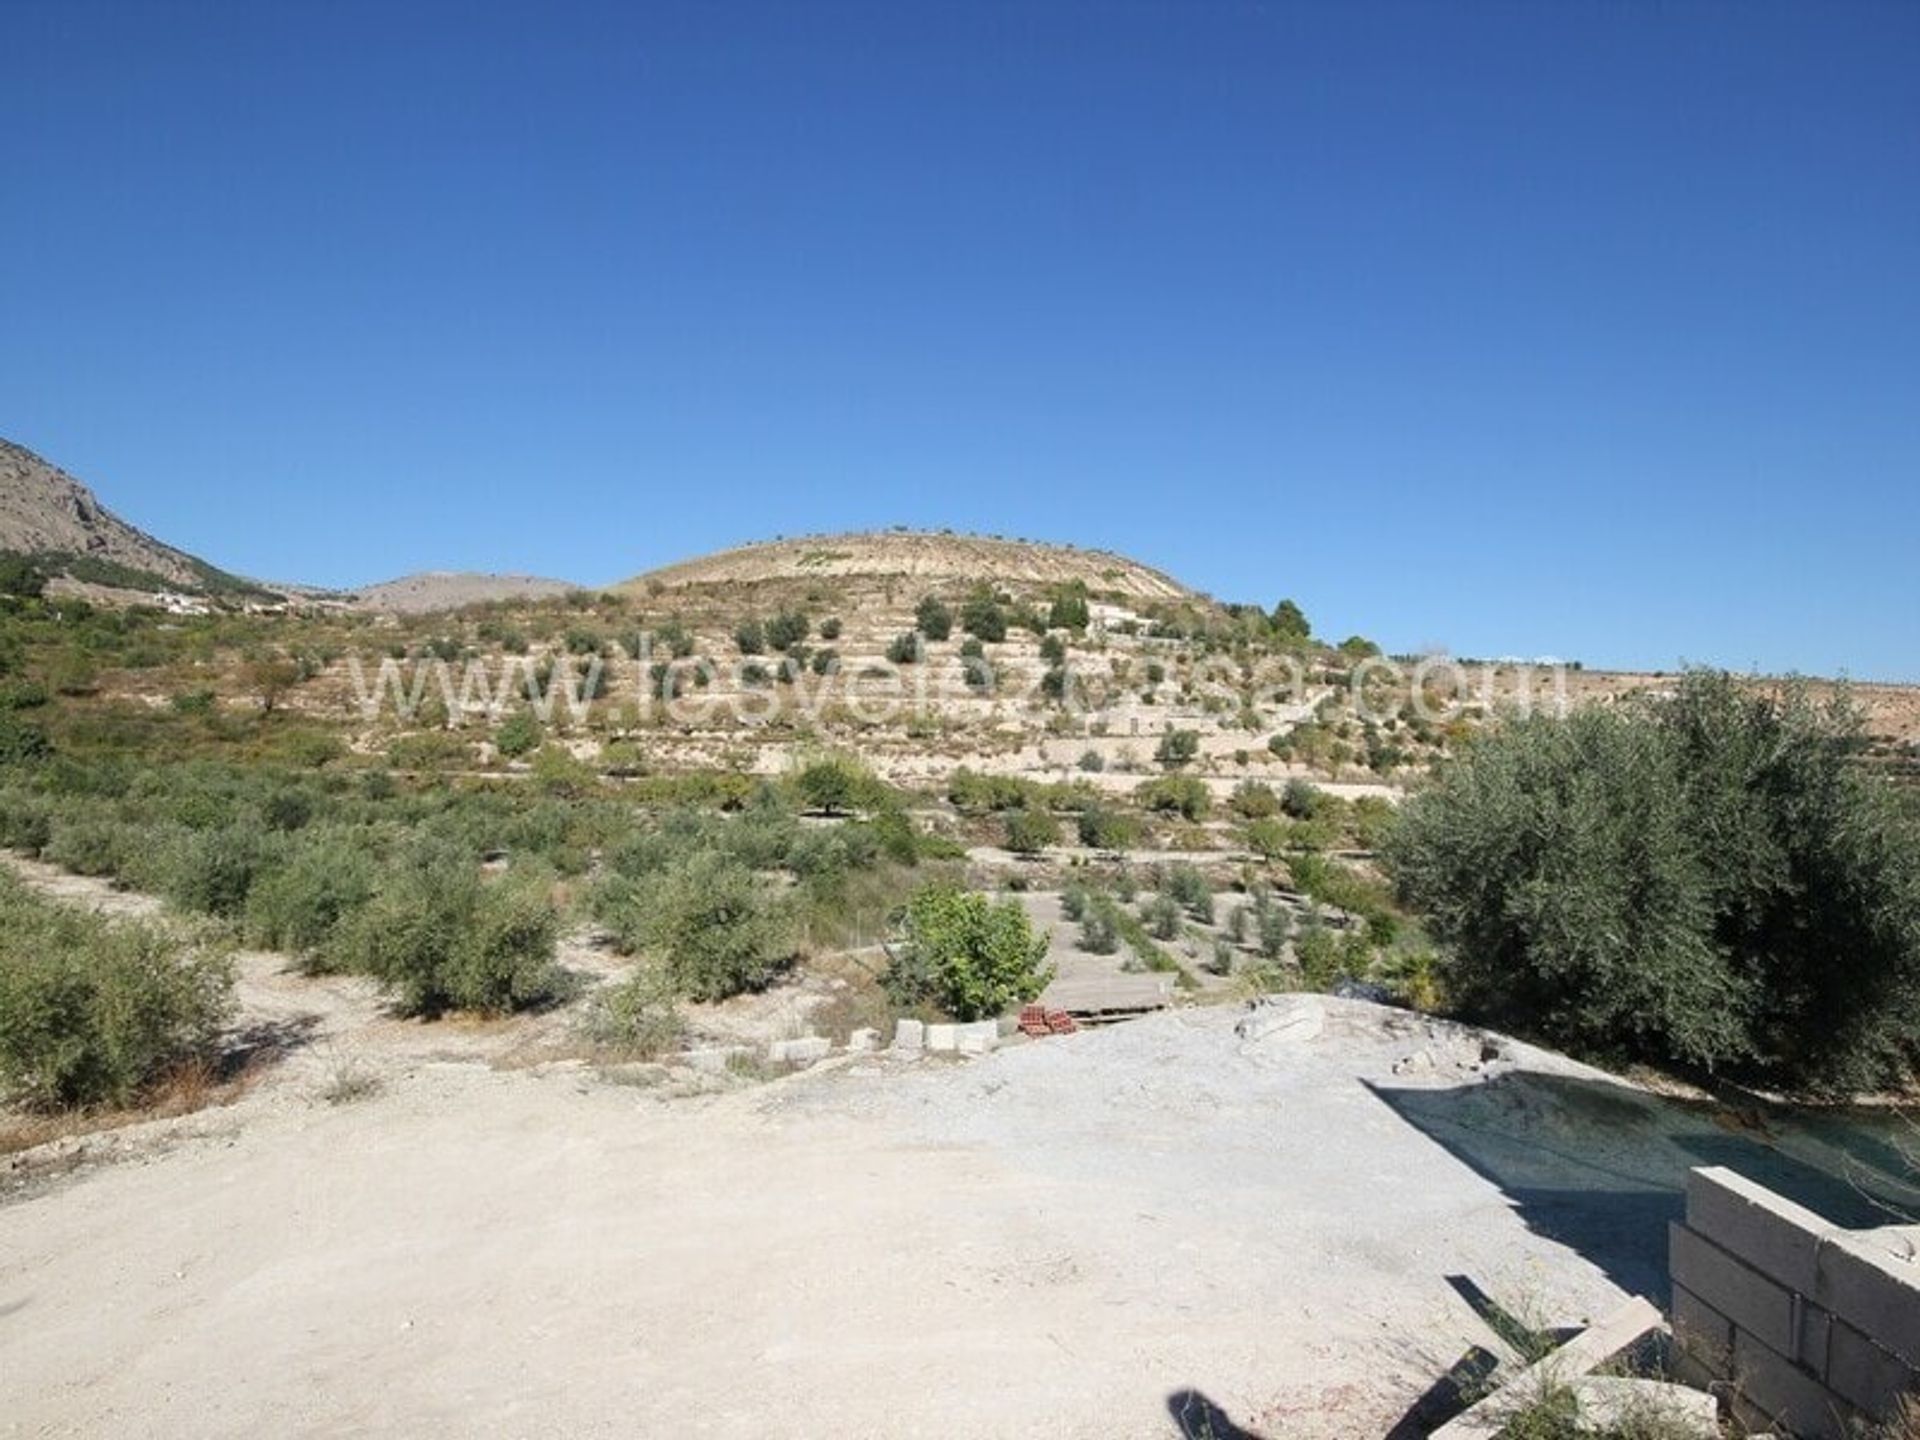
1195 1417
1602 1168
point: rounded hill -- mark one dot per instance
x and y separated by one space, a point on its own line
920 555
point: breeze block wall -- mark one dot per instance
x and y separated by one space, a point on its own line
1803 1325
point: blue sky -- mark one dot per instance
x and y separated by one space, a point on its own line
1577 329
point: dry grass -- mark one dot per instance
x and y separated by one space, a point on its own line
192 1086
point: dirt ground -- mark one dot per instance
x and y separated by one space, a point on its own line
1059 1239
1288 1219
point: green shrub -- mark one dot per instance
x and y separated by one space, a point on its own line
1254 800
904 648
636 1018
709 919
933 619
836 784
210 871
1161 915
1178 747
93 1009
1102 827
751 637
1073 902
830 628
1302 801
1183 795
1097 933
1030 831
521 733
1190 891
21 741
787 629
983 617
442 938
970 956
297 907
1707 879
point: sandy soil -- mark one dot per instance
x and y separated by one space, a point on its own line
1055 1239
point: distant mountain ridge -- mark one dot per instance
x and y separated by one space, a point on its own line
50 517
432 590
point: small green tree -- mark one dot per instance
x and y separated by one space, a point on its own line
984 617
787 629
751 637
837 784
1069 608
970 956
1030 831
933 619
1183 795
1290 622
1177 748
519 734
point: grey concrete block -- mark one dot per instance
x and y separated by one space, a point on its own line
1745 1296
1862 1283
713 1061
944 1038
1703 1333
976 1038
862 1042
803 1051
1810 1344
1773 1235
1769 1390
1868 1375
909 1035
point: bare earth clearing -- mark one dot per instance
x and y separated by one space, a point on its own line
1278 1212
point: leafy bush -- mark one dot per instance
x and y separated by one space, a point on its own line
636 1018
210 871
1254 800
1031 831
21 741
709 919
1098 936
1184 795
904 648
836 784
1162 917
933 619
1104 828
787 629
1069 608
830 628
751 637
983 617
1190 891
520 734
1302 801
1178 747
297 907
1707 879
93 1009
968 955
443 938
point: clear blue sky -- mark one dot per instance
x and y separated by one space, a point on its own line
1584 329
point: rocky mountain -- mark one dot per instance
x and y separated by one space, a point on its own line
432 590
50 517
